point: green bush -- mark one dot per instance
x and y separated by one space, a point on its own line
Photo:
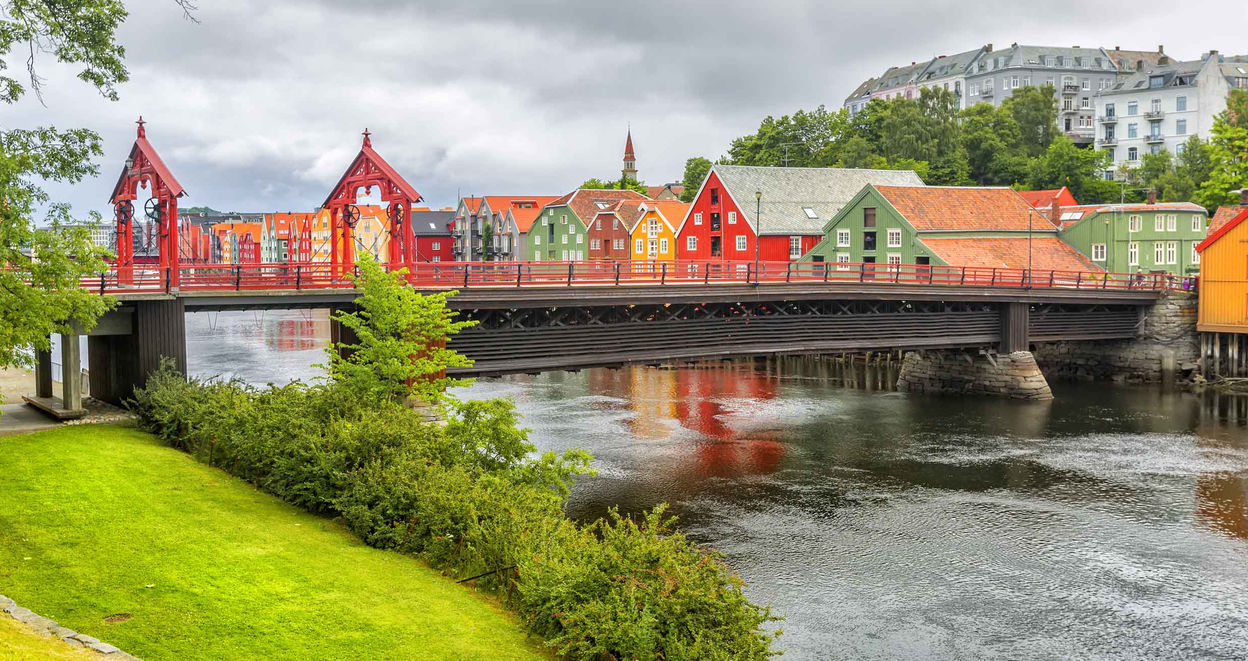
469 497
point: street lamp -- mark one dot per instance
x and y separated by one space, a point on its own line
758 229
1030 211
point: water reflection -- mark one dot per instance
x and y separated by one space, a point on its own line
1111 522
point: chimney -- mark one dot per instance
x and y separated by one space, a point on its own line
1152 197
1116 49
1161 49
1243 197
988 47
1055 213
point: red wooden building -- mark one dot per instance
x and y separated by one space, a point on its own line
794 204
609 230
433 235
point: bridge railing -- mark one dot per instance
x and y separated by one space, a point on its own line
462 275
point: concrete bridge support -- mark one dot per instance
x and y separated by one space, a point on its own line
1015 375
120 361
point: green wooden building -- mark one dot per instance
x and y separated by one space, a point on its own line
560 232
1131 238
945 225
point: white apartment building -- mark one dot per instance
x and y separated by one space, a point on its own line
1162 106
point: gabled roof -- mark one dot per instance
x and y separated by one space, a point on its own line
1223 216
368 155
142 146
500 203
788 192
1048 253
1044 199
472 203
863 89
671 211
586 202
523 218
1230 225
956 208
431 223
653 192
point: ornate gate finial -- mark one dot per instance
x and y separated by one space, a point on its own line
367 141
142 131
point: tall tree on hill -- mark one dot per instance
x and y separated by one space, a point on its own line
623 183
44 258
1035 110
695 172
805 139
993 143
1228 152
927 129
1065 164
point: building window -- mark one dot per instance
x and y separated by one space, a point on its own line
697 218
1159 223
1133 154
579 239
639 246
842 261
1133 253
868 241
563 220
1159 252
537 239
894 261
795 247
1172 252
894 238
615 223
1133 130
437 258
1180 127
740 243
691 243
1197 224
1133 108
663 246
1172 223
842 238
1013 81
714 196
868 217
437 245
1085 103
598 224
1134 223
1098 252
732 217
1195 255
1180 103
563 238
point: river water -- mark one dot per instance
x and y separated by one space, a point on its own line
1109 523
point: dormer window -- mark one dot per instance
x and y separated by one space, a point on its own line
810 213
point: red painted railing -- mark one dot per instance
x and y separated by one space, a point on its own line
464 275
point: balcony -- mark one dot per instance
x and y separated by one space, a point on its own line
1154 114
1108 141
1070 88
986 93
1108 119
1081 136
1154 138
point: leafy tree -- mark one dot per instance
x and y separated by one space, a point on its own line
45 257
1228 153
623 183
1065 164
857 152
1035 110
696 169
926 129
993 143
400 353
807 139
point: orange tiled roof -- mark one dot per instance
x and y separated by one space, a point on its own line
953 208
524 217
672 211
473 203
583 201
500 203
1223 216
1048 253
1043 199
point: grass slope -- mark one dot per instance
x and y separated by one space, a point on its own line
19 643
97 521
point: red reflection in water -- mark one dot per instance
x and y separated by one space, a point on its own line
293 335
1222 502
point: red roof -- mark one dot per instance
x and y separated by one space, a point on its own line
1223 216
584 202
142 146
473 203
1048 253
628 147
524 217
1223 229
1043 199
653 192
955 208
500 203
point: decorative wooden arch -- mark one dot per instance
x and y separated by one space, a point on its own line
144 169
369 169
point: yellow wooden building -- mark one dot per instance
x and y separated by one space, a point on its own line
653 237
1223 308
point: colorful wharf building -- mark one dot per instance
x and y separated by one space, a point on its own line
794 204
561 231
1155 237
949 226
653 236
1222 318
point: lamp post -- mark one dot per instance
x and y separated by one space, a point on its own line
758 230
1030 211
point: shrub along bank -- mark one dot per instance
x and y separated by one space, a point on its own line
468 496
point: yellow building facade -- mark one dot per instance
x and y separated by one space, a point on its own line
1224 279
653 238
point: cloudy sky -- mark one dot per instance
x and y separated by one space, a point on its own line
260 105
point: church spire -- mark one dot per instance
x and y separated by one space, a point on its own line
630 160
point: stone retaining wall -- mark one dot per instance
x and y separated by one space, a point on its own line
43 625
1014 375
1167 343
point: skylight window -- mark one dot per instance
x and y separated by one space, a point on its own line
810 213
1072 215
602 205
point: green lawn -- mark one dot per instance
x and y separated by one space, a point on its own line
19 643
97 521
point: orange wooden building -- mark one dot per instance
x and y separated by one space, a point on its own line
1223 309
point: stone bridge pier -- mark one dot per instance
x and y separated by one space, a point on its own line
1166 346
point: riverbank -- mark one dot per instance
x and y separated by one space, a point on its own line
103 522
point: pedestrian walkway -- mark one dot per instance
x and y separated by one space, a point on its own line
23 419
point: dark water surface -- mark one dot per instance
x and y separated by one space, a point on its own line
1109 523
